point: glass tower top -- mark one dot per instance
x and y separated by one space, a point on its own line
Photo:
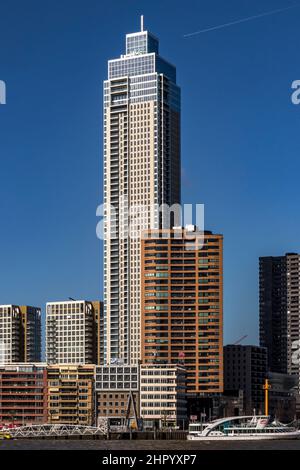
142 57
141 43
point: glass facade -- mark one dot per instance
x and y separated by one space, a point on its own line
141 43
131 66
128 66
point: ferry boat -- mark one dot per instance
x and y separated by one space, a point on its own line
242 428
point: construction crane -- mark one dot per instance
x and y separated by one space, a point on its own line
240 339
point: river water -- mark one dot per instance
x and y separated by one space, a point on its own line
150 445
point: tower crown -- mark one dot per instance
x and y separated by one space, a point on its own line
141 42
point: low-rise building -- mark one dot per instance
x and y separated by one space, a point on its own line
23 394
71 394
117 393
163 395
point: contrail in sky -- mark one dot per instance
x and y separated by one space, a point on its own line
243 20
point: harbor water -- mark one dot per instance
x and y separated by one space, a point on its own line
150 445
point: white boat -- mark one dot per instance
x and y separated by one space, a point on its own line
242 428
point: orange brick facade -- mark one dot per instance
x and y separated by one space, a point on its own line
182 304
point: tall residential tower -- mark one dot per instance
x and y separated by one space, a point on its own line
141 173
182 304
279 311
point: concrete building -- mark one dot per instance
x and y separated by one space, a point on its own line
117 391
182 304
279 309
245 368
74 332
20 334
70 397
163 395
141 173
23 394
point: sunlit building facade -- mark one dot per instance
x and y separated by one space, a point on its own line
182 304
141 171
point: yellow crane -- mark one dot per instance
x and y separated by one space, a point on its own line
266 388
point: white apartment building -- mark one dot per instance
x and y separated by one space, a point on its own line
10 334
141 173
69 332
163 395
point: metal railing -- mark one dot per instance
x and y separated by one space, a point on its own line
59 430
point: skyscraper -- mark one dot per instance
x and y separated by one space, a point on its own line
279 311
182 304
141 173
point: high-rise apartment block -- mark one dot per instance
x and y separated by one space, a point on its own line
74 332
182 304
141 173
279 309
20 334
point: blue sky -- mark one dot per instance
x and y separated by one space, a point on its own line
240 138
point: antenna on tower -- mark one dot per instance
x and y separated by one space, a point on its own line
142 23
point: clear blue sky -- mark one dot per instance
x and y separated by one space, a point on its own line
240 138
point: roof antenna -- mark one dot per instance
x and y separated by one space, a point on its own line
142 23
